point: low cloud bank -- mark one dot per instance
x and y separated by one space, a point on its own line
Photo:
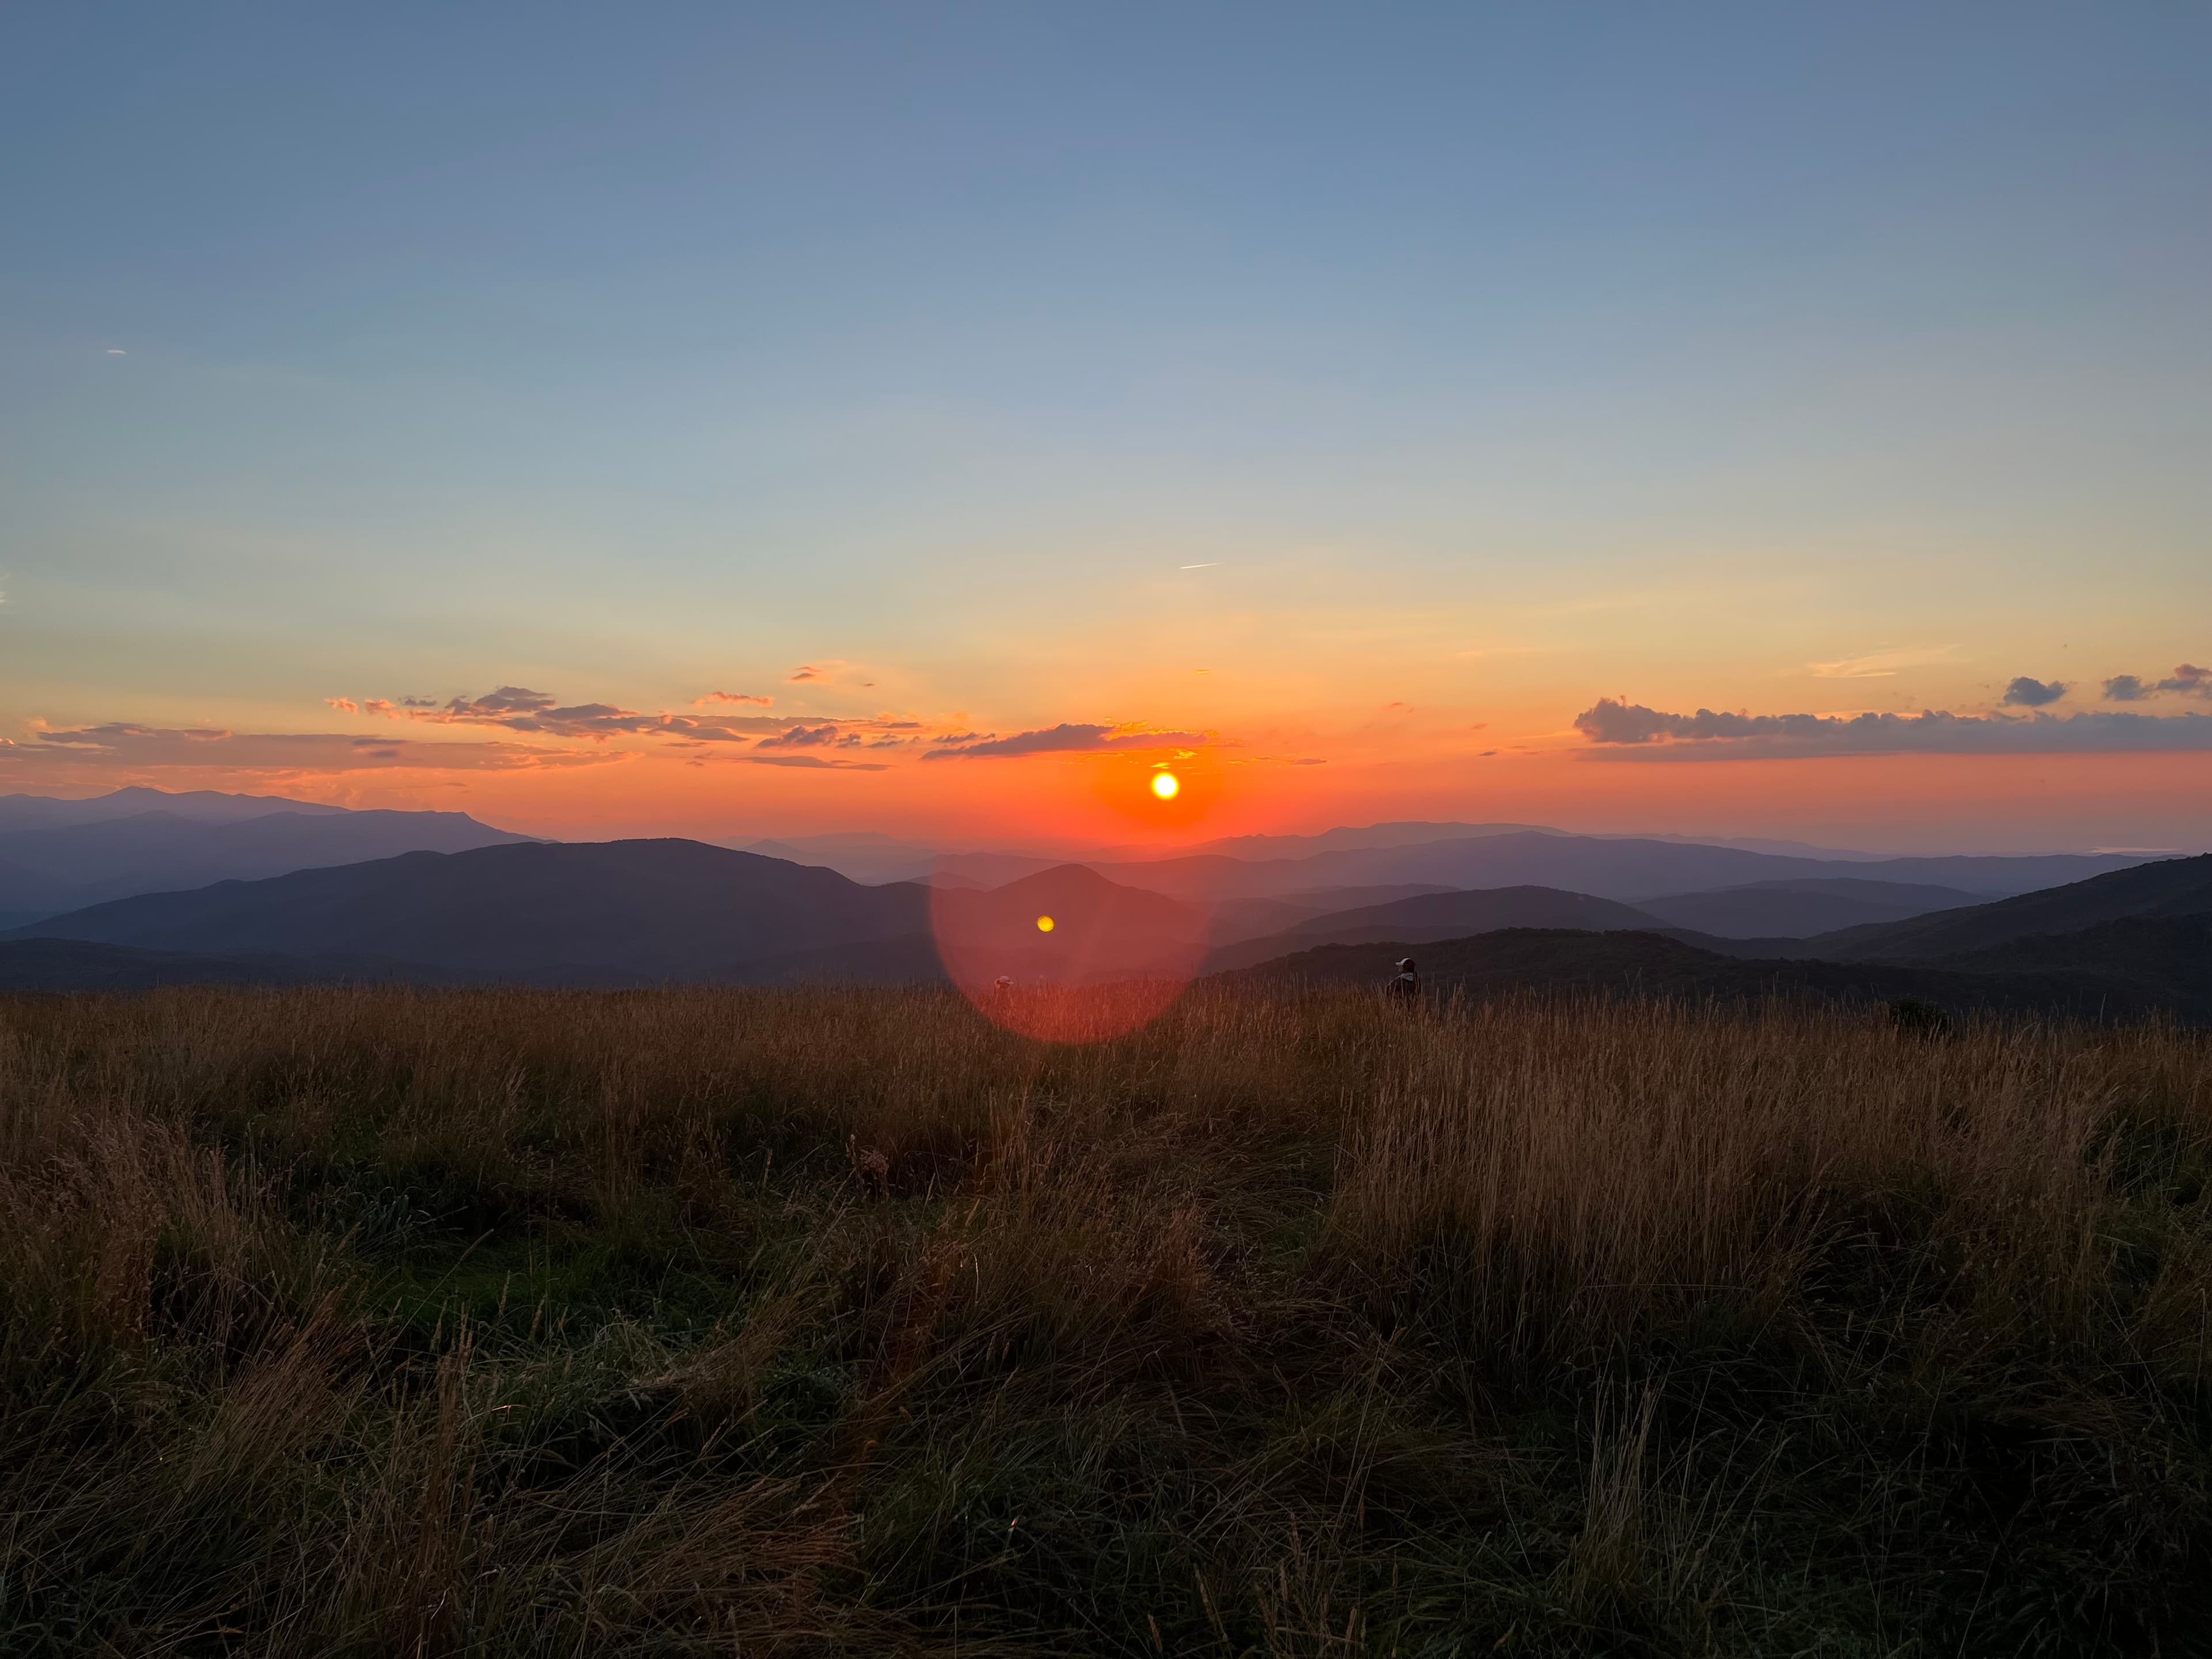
1618 729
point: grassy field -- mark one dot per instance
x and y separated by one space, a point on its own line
376 1321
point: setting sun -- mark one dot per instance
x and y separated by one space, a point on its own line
1164 785
1044 924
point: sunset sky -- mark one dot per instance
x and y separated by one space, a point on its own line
934 419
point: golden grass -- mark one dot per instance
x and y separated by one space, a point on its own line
840 1321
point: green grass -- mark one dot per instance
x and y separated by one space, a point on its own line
841 1321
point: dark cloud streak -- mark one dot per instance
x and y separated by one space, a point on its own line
1065 738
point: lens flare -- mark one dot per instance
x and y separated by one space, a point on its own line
1066 955
1164 785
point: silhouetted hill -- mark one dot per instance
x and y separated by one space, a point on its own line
50 867
1438 916
1799 907
1625 868
609 912
1651 965
2170 887
1233 920
2165 956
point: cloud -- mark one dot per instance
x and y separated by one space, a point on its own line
1882 665
732 696
2187 679
808 671
2026 692
821 737
343 705
1625 731
1064 738
519 709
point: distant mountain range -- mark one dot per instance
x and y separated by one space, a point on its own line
60 856
1437 916
1462 856
647 912
625 912
1800 908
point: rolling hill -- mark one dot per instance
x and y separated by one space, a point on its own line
609 912
2170 887
1448 916
1800 907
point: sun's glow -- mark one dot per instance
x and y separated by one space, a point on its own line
1044 924
1164 785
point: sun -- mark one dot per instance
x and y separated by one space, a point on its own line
1164 785
1044 924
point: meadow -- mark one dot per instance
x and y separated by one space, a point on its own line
839 1321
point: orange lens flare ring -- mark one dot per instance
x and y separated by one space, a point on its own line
1066 955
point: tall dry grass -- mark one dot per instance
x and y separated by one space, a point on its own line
840 1321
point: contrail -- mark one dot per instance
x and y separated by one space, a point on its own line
1210 564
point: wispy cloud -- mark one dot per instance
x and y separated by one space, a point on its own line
1883 664
1064 738
1621 730
732 696
811 761
519 708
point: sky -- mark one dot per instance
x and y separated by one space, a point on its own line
740 420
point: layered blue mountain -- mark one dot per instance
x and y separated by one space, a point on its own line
1427 916
625 912
2170 889
61 855
1800 907
1626 868
2118 945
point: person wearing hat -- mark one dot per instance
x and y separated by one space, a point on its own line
1407 987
